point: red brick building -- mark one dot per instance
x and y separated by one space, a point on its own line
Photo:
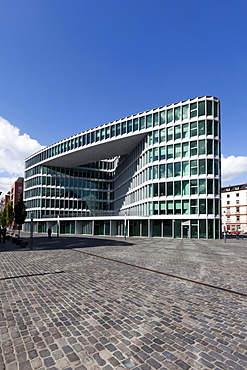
16 190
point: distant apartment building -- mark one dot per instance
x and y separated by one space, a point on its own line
16 190
234 208
5 200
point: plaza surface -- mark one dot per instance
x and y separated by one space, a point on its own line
109 303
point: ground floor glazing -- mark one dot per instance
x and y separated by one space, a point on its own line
163 228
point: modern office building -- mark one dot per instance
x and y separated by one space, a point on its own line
152 174
234 208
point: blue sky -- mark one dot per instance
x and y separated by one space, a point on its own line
67 66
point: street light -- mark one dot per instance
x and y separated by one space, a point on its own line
224 226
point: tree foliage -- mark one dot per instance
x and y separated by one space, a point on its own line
20 212
9 213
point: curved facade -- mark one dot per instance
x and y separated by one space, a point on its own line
156 173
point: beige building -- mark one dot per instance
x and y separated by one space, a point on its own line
234 208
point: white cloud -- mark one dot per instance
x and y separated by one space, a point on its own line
14 148
233 167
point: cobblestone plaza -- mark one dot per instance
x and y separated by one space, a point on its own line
109 303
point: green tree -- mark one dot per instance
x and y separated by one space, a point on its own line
9 213
3 221
20 213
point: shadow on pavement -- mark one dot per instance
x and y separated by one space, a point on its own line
63 242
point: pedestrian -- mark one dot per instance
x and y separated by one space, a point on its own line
49 232
0 234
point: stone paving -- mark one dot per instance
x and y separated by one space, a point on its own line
64 309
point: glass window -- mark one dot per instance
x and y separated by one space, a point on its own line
216 128
162 117
150 137
170 170
216 187
177 207
216 167
216 107
135 124
177 188
209 166
150 152
193 129
193 167
185 111
170 133
185 168
216 147
162 135
156 119
155 189
193 206
162 189
113 130
150 190
177 169
169 151
156 172
185 130
162 153
177 132
169 188
118 131
210 206
129 126
107 134
102 134
177 113
142 123
156 137
177 150
209 146
162 171
124 128
201 128
149 121
193 148
202 166
185 149
156 154
202 186
201 108
209 127
202 148
156 208
210 189
162 208
170 207
185 207
185 187
150 173
169 115
193 187
209 108
193 110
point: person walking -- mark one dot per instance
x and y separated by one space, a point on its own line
49 232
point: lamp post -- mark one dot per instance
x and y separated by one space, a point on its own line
224 226
125 225
58 225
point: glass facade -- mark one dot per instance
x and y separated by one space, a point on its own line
170 179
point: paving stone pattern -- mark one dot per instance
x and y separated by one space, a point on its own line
63 309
